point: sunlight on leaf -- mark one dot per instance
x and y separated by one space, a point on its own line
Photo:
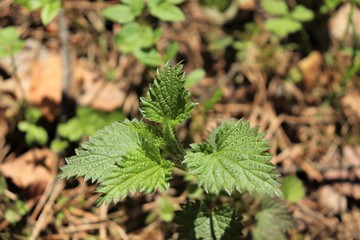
237 159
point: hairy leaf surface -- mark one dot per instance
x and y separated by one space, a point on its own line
167 101
196 221
128 151
143 171
236 158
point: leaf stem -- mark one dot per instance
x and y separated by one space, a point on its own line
173 144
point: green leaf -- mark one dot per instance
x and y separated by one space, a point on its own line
10 42
171 51
293 189
194 77
166 210
196 221
167 101
236 159
30 4
87 122
49 11
166 11
302 14
33 114
150 58
282 26
71 130
134 36
142 170
136 6
330 5
123 158
15 213
119 13
175 1
215 98
221 43
33 133
273 220
98 155
58 145
275 7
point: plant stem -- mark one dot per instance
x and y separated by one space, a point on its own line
173 144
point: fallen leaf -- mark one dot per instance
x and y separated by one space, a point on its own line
350 103
351 222
99 94
39 74
338 24
331 201
46 86
102 96
348 189
31 171
248 5
310 67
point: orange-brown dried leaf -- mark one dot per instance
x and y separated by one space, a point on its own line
46 87
31 171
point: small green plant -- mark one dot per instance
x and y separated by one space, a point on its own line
272 221
86 122
293 188
10 42
16 211
285 21
136 156
49 8
34 134
138 38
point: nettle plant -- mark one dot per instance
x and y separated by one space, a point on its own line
139 156
137 36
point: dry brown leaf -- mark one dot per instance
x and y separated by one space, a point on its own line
39 73
351 222
352 159
248 5
310 67
331 201
22 61
102 96
339 21
348 189
46 86
31 171
350 103
99 94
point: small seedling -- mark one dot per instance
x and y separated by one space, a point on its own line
138 38
34 134
49 8
10 42
285 21
137 156
86 122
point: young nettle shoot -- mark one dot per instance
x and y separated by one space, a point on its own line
136 156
